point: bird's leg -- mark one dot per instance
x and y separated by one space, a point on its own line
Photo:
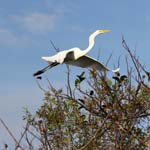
53 65
41 71
45 69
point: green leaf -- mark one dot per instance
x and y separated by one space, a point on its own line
77 82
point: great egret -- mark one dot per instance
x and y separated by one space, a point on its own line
75 56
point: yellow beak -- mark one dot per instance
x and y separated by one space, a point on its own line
104 31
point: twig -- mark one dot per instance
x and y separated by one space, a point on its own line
132 57
68 81
95 135
23 134
40 86
109 58
28 142
94 112
98 55
57 49
11 134
51 86
35 136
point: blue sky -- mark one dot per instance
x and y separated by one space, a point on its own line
27 27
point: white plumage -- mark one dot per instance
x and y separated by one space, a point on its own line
75 56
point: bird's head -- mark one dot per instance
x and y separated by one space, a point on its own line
97 32
103 31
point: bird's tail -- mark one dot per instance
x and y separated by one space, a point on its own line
45 58
50 60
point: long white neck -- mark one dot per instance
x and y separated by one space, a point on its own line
91 42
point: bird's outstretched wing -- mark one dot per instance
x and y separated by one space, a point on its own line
86 61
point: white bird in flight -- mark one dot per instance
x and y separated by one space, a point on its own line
75 57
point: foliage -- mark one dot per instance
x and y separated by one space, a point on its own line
97 113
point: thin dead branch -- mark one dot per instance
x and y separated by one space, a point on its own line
11 134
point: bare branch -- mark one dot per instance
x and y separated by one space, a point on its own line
11 134
57 49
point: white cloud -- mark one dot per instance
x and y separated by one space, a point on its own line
10 38
37 22
34 22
